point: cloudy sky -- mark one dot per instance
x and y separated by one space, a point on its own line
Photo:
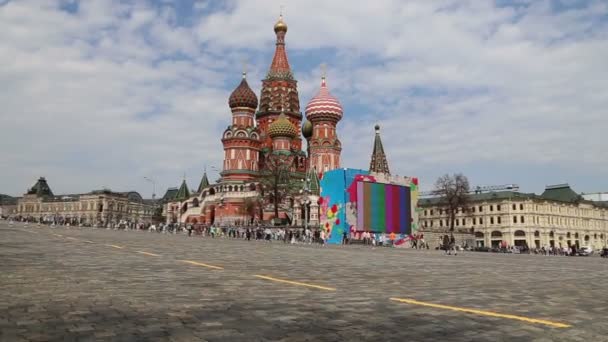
103 93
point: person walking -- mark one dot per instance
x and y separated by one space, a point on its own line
452 245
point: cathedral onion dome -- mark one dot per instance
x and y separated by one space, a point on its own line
307 129
282 128
243 96
324 105
280 26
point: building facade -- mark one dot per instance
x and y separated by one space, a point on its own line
100 207
8 205
262 142
559 217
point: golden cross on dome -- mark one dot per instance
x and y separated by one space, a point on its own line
323 70
281 10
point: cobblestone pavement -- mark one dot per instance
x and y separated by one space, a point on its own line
84 284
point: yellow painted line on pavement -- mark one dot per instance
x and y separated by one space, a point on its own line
87 241
115 246
201 264
71 238
482 312
58 235
147 253
295 283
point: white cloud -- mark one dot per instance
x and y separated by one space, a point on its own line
118 91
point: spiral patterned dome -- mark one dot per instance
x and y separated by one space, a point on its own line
282 128
243 96
324 105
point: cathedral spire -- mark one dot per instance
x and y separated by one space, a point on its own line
204 182
279 68
183 193
378 164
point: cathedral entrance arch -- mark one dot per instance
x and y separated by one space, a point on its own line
211 215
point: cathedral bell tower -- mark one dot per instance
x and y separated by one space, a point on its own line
279 93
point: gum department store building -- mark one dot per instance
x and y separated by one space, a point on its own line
559 217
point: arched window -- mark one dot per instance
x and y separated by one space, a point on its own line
537 233
568 235
520 233
195 202
479 235
551 234
496 234
576 235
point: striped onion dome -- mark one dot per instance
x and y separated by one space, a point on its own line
282 128
324 105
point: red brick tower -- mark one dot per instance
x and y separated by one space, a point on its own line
241 139
279 93
324 111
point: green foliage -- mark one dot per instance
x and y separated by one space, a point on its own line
279 181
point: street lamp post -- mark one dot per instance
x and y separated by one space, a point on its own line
153 186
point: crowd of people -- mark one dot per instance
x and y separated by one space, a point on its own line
314 236
287 235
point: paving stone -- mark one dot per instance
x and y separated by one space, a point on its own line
57 289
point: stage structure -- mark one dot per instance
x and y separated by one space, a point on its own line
354 201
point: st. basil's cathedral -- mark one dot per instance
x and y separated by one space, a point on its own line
264 142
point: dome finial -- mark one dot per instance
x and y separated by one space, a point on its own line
244 62
280 26
323 74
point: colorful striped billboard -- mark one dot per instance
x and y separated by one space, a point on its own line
383 208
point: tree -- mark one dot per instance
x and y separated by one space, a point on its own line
454 193
279 181
251 206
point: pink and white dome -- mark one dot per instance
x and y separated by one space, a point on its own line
324 105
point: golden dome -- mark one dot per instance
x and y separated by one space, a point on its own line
282 128
307 129
280 25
